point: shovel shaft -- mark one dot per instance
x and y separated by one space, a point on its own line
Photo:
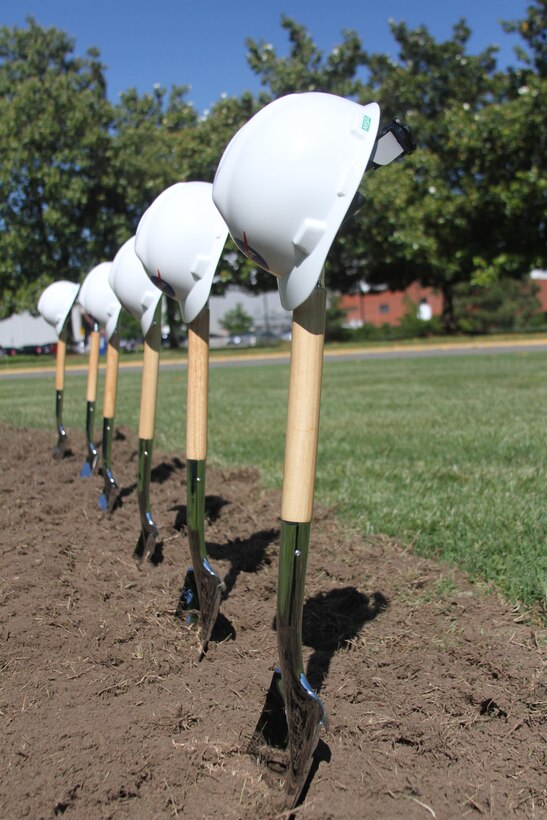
293 559
195 504
207 584
144 471
198 387
111 376
108 431
60 361
308 335
146 543
90 425
305 713
93 367
150 371
59 394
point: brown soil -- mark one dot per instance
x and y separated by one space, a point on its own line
432 686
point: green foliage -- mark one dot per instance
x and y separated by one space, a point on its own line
54 123
335 331
412 327
145 151
129 328
468 208
533 30
503 305
237 320
305 68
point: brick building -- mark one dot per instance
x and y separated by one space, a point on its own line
388 307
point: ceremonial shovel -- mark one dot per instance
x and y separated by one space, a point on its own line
92 457
55 305
101 303
202 579
146 543
284 185
303 710
179 241
109 496
138 295
60 361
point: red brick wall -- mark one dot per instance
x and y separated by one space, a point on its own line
387 307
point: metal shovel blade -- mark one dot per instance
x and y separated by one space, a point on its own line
307 718
203 589
271 729
111 491
200 599
110 494
289 753
293 714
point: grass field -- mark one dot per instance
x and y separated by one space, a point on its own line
447 455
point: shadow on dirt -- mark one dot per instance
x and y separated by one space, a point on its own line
244 555
158 475
213 507
330 621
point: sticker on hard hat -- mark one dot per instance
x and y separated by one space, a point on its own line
365 125
245 248
163 286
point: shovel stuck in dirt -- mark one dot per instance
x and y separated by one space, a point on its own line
179 241
285 184
103 307
62 438
136 294
293 715
55 305
146 544
202 587
92 457
110 493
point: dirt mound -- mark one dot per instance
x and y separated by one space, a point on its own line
432 687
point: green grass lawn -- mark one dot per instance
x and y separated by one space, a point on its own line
448 455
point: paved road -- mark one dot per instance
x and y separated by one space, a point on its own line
253 358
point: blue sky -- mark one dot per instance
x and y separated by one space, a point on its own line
202 42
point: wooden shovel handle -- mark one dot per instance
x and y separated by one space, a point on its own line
93 367
60 361
198 386
308 335
149 389
111 376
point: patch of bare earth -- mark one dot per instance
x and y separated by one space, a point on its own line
432 687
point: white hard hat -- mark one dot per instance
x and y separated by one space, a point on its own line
56 302
98 299
287 179
179 241
132 286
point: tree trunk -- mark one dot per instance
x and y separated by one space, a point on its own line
450 324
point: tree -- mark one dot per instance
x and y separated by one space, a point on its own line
467 207
54 123
306 68
146 155
237 320
506 304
